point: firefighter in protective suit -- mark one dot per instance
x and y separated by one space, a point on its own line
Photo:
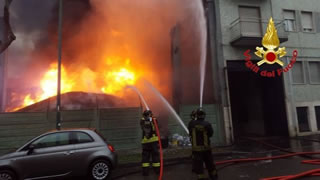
200 132
150 145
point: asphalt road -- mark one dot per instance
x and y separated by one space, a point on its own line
241 171
246 171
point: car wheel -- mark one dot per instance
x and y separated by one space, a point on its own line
7 175
100 170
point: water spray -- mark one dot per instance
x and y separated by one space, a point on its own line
203 47
140 95
168 105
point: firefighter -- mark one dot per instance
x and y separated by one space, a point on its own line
200 132
150 145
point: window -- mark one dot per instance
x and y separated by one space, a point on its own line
250 21
50 140
302 114
317 110
297 73
306 21
314 72
82 137
289 20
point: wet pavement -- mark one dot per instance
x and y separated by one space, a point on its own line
244 148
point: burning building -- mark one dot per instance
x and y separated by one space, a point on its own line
106 46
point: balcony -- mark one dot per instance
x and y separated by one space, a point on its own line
250 31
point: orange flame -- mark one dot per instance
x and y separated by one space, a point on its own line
115 75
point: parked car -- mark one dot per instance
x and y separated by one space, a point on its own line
60 154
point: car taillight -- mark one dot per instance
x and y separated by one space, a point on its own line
111 148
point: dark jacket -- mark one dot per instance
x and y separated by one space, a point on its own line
200 132
148 130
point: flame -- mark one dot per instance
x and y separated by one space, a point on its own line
271 39
116 74
49 82
117 80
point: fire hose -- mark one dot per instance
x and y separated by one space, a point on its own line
314 172
160 149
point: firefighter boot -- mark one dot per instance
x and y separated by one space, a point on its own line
156 170
213 175
145 171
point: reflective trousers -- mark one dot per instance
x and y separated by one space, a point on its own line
200 157
150 150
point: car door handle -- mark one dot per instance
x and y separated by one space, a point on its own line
68 153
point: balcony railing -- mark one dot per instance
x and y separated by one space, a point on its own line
250 31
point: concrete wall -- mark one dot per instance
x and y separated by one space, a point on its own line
308 46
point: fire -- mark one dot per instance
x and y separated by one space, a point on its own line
115 75
49 82
49 85
117 80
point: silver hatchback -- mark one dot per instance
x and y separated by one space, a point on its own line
59 154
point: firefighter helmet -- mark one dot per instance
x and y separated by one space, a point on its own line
193 115
147 113
201 114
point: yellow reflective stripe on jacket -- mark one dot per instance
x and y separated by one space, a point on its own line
195 146
154 138
145 164
155 164
153 128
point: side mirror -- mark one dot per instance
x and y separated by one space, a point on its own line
30 149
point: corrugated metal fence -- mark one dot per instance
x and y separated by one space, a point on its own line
120 126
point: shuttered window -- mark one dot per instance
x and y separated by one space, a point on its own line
314 71
306 21
250 21
297 73
289 20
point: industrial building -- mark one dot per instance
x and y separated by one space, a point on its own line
253 105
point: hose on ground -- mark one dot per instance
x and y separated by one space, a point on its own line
314 172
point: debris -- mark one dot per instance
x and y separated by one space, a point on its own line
181 141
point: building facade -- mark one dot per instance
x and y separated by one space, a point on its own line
287 104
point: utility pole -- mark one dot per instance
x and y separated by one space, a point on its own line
176 66
58 124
